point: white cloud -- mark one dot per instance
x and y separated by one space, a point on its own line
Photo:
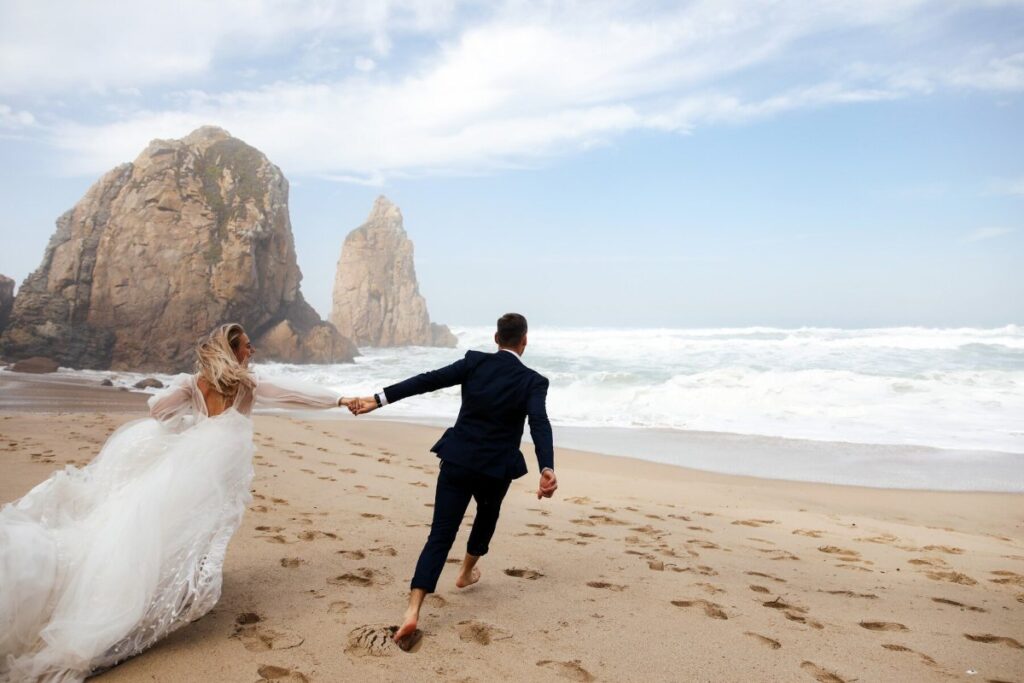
55 46
365 64
987 234
12 119
997 73
500 87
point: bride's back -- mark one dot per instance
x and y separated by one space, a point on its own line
216 402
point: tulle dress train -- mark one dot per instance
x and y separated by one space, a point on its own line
98 563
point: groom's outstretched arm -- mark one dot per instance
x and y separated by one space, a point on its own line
540 426
432 380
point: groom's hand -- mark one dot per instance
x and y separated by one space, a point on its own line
360 406
548 484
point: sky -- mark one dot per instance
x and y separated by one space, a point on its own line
683 164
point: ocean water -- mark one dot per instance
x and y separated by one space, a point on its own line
961 390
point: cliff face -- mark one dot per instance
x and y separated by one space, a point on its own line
376 297
193 233
6 300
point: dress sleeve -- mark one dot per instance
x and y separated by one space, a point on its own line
174 401
291 392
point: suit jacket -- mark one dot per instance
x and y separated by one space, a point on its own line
498 394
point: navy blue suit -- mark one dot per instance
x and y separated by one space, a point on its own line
480 455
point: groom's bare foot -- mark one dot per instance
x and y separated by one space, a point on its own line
406 630
463 580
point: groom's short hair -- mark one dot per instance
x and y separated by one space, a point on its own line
511 329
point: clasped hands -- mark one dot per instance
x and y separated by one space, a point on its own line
359 405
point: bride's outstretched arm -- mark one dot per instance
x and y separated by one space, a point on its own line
173 401
291 392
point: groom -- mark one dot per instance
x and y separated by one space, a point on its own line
480 455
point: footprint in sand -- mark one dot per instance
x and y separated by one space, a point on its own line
291 562
883 626
792 612
813 533
522 573
268 672
777 554
759 589
573 670
754 522
257 638
371 515
435 600
313 534
372 641
821 675
363 577
954 603
277 538
900 648
928 562
352 554
270 529
1007 578
765 576
952 577
994 640
770 642
885 539
851 594
843 552
339 607
711 609
605 519
945 549
480 632
607 586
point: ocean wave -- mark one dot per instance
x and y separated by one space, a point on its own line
959 388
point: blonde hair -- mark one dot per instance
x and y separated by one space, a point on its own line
217 364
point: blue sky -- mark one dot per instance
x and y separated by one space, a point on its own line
679 164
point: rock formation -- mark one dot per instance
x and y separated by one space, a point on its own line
377 301
6 300
193 233
36 365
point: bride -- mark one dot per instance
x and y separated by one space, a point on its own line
99 563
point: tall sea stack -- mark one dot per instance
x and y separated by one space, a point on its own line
377 300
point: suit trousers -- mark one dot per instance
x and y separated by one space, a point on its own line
455 486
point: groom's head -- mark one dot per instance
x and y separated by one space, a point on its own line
511 332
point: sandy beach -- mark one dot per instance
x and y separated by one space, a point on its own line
635 571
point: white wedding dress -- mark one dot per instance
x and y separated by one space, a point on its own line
99 563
